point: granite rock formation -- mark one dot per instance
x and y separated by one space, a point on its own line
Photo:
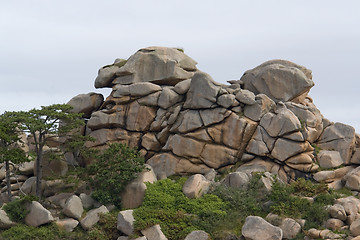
184 122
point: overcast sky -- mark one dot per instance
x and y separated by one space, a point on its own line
50 51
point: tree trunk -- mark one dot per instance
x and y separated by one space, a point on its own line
38 172
8 183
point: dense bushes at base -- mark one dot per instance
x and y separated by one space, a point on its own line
223 212
165 204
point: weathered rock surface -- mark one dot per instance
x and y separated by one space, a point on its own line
197 235
73 207
86 103
154 233
68 224
157 65
5 221
125 222
92 217
280 80
38 215
195 186
256 228
133 195
338 137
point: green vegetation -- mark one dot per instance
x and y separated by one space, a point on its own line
16 210
24 232
105 229
240 204
180 49
119 64
223 212
114 169
165 204
316 149
9 151
290 200
43 124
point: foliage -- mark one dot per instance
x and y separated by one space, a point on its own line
165 204
24 232
180 49
317 149
16 210
75 143
45 123
105 229
307 188
113 170
9 152
288 200
241 202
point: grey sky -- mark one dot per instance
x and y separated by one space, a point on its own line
51 50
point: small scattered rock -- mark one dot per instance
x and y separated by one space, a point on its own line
154 233
125 222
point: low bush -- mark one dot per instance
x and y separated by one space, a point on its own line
24 232
16 210
165 204
114 169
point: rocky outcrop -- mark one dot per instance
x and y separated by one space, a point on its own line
185 123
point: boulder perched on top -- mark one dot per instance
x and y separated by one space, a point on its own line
86 103
159 65
278 79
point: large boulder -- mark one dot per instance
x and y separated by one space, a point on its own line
92 217
133 195
86 103
278 79
107 74
158 65
195 186
38 215
73 207
202 93
5 221
339 137
256 228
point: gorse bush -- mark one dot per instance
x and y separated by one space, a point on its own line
114 169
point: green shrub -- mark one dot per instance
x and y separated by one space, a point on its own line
241 202
307 188
16 210
289 201
105 229
165 204
114 169
24 232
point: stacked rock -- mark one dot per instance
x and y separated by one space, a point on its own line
184 122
